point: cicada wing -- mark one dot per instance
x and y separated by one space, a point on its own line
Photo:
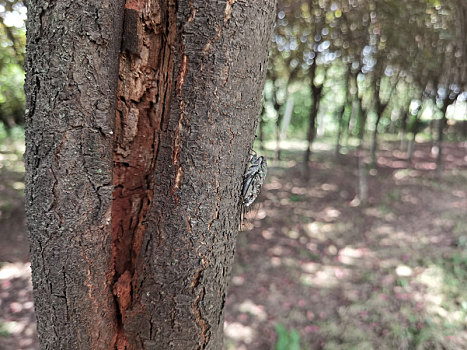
246 186
249 215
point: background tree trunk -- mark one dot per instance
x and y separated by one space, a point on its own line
341 113
380 107
441 126
132 220
262 116
403 128
279 116
316 94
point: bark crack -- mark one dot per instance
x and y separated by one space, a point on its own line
202 322
196 307
143 95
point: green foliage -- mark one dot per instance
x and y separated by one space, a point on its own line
12 50
295 198
6 328
11 139
326 41
455 276
287 340
11 93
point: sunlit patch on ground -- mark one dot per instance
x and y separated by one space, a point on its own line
17 327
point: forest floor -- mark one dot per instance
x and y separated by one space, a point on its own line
315 268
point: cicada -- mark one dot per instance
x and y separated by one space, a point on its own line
253 179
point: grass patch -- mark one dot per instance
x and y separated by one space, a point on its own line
6 328
287 340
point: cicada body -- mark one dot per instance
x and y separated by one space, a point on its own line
253 179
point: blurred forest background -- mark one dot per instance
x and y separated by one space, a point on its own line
360 237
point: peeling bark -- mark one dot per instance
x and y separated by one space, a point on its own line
146 80
139 124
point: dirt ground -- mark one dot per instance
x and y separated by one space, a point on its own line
339 274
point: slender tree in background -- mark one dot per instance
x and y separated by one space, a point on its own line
280 82
345 110
277 103
316 94
380 107
261 123
140 117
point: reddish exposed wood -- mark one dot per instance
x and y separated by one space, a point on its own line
144 90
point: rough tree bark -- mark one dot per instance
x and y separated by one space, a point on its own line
140 117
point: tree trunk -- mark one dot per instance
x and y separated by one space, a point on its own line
439 138
403 129
411 147
362 171
71 82
277 134
340 119
134 165
374 139
315 97
415 128
380 107
363 116
277 129
341 113
356 110
261 128
286 119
